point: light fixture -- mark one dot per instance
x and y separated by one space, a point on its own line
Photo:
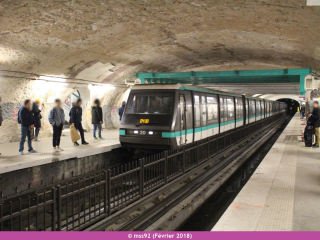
57 79
150 132
135 131
101 86
44 84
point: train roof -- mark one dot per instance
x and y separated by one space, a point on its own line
179 86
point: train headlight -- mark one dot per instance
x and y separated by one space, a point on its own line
150 132
136 132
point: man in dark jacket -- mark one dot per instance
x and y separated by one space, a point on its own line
97 120
76 119
27 124
315 119
37 119
1 118
121 109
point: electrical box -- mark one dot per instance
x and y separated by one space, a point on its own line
309 83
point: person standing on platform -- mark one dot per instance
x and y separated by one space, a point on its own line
307 108
315 119
56 119
302 111
1 118
37 118
121 109
97 119
26 119
76 120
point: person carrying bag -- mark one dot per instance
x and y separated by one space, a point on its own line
74 134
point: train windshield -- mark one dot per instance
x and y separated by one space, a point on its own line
150 103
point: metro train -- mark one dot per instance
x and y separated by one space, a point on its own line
165 116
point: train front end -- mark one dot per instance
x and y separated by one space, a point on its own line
148 115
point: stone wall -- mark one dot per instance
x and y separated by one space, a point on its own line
15 91
110 98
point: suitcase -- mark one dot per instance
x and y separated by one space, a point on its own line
308 132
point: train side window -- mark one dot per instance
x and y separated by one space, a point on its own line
212 110
197 110
204 111
258 108
230 105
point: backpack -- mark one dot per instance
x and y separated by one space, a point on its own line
18 117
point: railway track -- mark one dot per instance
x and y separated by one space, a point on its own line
156 211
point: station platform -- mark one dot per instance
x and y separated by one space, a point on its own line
283 194
11 160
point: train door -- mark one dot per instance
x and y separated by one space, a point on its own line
204 133
222 114
239 112
247 111
262 110
258 110
252 111
183 120
213 115
188 116
197 117
231 115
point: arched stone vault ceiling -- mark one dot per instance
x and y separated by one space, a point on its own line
109 40
60 36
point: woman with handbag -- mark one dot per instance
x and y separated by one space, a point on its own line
97 119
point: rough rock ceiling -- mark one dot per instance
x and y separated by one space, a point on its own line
60 36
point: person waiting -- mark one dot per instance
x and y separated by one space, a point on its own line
1 118
26 119
37 119
315 120
97 119
76 120
56 119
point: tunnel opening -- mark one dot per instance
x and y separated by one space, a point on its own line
292 105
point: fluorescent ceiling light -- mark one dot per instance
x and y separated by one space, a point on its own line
52 78
101 86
